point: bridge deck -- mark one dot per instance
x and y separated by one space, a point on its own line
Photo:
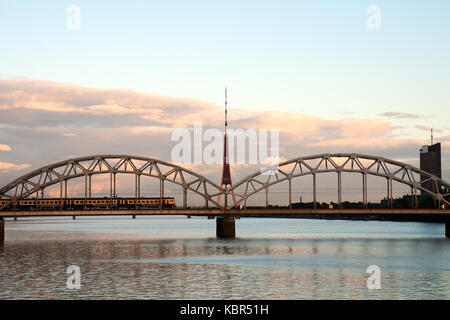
221 212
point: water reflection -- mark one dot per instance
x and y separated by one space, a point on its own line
127 264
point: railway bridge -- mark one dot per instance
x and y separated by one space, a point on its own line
31 188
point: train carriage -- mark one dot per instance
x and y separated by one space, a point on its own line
89 203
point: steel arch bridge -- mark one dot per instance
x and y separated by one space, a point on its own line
36 181
61 172
416 179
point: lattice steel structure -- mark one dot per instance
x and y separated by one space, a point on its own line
29 185
339 163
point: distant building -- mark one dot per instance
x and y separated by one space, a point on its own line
430 161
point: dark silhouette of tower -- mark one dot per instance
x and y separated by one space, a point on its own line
226 173
430 161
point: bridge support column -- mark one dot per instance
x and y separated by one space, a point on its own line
314 191
225 228
447 227
184 198
2 231
339 189
290 193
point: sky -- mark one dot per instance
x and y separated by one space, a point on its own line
135 70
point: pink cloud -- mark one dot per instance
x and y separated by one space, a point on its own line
7 166
5 147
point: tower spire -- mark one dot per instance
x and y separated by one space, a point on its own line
226 113
226 173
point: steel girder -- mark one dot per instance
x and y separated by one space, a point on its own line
37 180
343 162
392 170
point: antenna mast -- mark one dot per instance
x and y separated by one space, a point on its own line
431 136
226 174
226 113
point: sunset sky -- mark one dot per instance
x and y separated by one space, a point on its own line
136 70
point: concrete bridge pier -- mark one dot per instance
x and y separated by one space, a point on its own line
447 226
225 228
2 231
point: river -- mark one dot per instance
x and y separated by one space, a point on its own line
180 258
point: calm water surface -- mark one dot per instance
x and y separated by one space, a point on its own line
179 258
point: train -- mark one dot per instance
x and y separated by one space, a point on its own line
90 203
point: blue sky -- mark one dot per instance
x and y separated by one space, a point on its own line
316 57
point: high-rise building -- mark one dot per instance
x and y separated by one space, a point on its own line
430 161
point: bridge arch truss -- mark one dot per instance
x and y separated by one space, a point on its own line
29 185
391 170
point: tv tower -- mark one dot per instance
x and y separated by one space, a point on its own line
226 173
